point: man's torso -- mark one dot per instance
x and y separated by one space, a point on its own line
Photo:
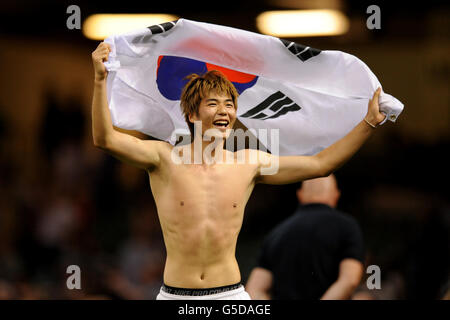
201 209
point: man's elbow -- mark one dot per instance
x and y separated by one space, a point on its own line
325 172
98 142
101 142
352 282
258 294
322 168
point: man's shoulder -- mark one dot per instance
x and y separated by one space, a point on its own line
162 146
319 211
347 220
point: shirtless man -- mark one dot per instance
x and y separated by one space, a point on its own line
201 205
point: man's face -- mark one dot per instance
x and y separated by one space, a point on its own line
216 111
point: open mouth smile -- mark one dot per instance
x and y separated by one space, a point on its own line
221 124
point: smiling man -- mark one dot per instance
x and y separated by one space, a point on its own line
201 204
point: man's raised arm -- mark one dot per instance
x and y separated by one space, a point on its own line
140 153
297 168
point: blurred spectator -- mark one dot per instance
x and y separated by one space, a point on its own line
315 254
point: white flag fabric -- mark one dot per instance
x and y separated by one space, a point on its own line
313 97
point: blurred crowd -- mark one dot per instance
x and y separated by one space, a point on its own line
82 208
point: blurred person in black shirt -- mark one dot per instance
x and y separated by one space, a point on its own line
317 253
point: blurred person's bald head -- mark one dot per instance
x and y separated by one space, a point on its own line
320 190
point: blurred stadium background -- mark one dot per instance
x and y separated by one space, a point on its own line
63 202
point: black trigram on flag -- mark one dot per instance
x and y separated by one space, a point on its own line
163 27
155 29
278 103
300 51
